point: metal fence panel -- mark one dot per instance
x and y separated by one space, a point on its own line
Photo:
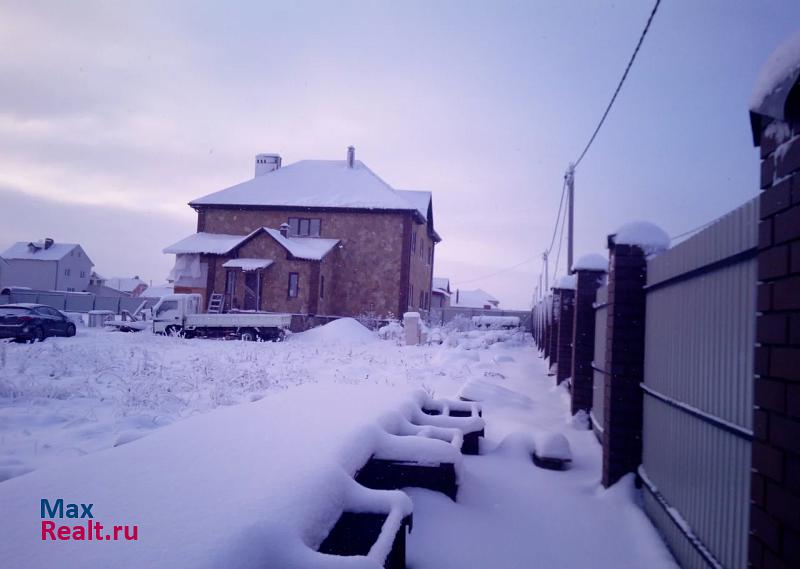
441 316
698 383
598 365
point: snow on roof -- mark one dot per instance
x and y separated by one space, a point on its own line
212 243
309 248
776 79
591 262
569 282
159 290
314 183
23 250
649 237
124 284
419 199
441 284
477 298
247 264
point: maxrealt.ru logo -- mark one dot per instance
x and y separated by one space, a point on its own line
88 530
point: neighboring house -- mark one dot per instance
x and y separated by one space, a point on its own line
132 287
440 292
325 237
158 291
3 269
477 298
47 265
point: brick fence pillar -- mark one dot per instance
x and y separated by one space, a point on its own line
583 339
624 362
564 341
555 310
775 488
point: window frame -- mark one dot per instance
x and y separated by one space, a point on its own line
296 286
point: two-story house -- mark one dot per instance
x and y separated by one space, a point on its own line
325 237
47 265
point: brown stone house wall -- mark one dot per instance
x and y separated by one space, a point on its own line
421 268
364 274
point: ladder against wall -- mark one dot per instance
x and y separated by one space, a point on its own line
215 303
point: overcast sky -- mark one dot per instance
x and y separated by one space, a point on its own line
114 115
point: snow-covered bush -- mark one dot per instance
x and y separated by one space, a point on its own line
393 331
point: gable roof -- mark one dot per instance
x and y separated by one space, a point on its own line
306 248
477 298
22 250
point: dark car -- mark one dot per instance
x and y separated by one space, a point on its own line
33 322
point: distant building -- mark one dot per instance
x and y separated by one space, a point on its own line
477 298
46 265
133 286
325 237
440 292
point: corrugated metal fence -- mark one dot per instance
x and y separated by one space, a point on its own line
79 302
598 365
698 384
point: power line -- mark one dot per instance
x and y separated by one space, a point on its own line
619 86
558 216
695 230
558 254
526 261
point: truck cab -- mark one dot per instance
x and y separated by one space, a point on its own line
169 314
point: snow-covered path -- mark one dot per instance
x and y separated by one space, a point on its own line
512 514
218 480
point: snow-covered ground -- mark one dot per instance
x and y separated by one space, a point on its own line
246 452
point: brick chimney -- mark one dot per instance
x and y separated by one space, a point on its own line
284 229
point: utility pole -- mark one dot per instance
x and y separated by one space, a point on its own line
570 177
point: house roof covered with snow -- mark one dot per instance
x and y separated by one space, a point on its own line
39 251
210 243
441 285
421 200
124 284
477 298
309 248
306 248
316 183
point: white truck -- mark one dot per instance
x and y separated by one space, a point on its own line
180 314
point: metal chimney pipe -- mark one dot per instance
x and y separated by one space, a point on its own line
351 156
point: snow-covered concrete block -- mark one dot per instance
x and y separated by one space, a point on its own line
551 451
413 329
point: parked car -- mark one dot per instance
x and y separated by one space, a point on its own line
33 322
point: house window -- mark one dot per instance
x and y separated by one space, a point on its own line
293 280
83 274
411 296
421 299
413 241
70 289
304 227
66 272
230 282
322 286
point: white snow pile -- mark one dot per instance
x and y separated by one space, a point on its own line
341 331
649 237
567 282
777 75
393 331
591 262
496 322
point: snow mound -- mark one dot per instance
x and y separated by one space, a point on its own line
552 446
568 282
483 391
651 238
778 75
341 331
591 262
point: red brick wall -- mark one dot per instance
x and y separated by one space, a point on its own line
366 274
775 497
564 340
583 340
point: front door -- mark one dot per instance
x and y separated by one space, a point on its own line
252 290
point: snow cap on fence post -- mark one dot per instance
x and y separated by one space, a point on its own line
590 273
